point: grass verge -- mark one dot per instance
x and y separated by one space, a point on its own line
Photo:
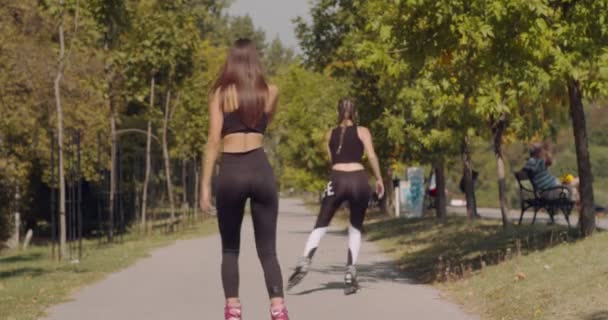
30 281
554 276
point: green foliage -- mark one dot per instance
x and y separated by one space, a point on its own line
190 121
242 27
306 113
442 70
321 39
174 41
277 56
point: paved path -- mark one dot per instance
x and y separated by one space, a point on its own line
541 217
182 282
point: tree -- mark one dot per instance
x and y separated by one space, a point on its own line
111 17
243 27
307 111
60 69
579 34
328 46
27 97
322 38
189 126
277 56
164 40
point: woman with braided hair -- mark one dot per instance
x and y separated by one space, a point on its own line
348 182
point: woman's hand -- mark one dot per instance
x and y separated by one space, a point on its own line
206 206
379 189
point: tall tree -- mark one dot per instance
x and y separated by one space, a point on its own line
329 46
579 32
306 114
62 219
277 56
62 63
112 18
243 27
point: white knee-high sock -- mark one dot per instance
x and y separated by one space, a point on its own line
354 243
313 241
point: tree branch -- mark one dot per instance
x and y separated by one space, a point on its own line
125 131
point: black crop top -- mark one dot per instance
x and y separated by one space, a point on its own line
351 149
233 124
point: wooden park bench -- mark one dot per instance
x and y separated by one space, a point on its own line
531 198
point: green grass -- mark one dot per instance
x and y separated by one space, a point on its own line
30 281
566 282
555 277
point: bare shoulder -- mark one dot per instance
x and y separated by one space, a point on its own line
363 132
273 97
215 94
273 91
215 97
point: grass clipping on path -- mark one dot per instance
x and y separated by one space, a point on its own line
555 277
30 281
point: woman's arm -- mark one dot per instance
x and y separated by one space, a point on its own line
327 137
214 137
368 146
273 101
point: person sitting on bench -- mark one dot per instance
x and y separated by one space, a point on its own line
537 165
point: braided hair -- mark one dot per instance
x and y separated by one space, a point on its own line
346 111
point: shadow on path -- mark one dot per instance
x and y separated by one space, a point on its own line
367 274
323 287
463 245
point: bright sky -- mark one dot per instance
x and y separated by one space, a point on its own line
274 16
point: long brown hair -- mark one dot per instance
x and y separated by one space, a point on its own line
347 110
243 71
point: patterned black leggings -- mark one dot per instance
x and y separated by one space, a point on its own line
354 188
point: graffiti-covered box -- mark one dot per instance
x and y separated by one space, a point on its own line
412 192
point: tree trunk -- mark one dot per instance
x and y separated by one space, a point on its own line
17 218
386 205
62 218
197 188
184 184
144 197
441 199
577 113
469 188
113 149
166 156
498 131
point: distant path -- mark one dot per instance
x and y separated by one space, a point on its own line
542 217
182 282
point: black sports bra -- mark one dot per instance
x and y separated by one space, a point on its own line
351 149
233 124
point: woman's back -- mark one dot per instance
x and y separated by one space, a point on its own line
345 145
236 135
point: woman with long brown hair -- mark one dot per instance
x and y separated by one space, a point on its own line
241 106
348 182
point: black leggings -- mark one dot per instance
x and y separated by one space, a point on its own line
245 176
354 188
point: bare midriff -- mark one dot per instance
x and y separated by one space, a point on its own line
348 167
242 142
